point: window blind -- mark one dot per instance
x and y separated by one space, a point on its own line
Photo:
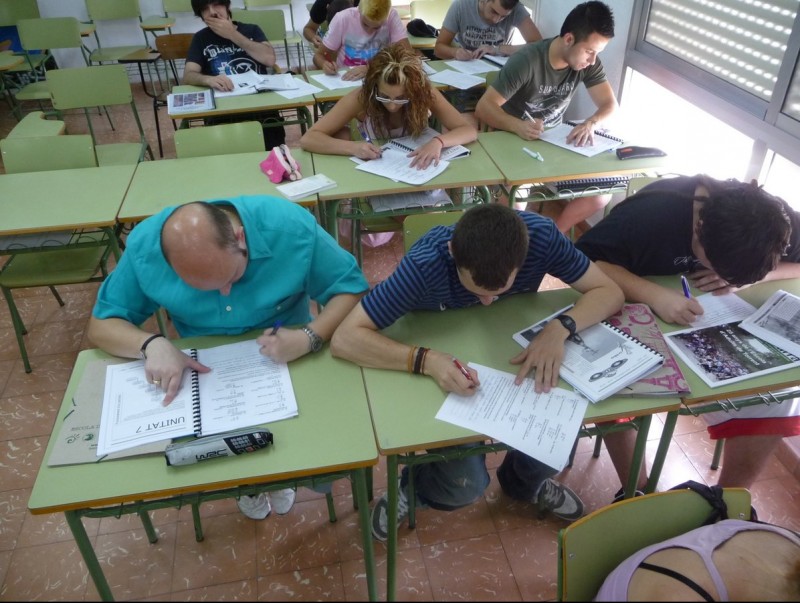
739 41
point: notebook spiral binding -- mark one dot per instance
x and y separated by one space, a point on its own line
399 146
635 340
597 132
197 420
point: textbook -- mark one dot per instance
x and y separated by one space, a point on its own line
409 143
497 59
602 360
395 165
243 389
638 321
557 135
777 321
191 102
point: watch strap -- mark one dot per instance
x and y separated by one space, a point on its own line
315 341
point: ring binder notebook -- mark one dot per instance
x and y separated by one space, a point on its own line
243 389
557 135
408 144
602 361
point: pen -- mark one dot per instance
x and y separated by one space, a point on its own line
462 368
685 285
526 116
275 327
535 154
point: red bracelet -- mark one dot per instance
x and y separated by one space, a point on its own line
439 138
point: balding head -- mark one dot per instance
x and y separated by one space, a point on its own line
205 245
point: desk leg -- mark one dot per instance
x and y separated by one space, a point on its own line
360 480
638 454
88 554
661 454
391 521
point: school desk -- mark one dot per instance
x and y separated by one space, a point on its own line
159 184
247 104
331 438
404 406
519 168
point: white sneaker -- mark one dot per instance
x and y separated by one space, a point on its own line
255 507
283 500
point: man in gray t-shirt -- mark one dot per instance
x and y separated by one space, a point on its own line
536 85
483 27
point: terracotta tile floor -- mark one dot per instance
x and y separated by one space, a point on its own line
493 550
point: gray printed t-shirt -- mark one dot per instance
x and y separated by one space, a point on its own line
529 83
472 31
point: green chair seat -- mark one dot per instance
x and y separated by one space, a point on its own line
34 125
113 54
51 268
156 23
35 91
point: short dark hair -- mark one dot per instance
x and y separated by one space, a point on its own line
508 4
588 18
337 6
743 229
199 5
490 241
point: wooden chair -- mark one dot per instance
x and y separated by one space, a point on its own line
103 12
60 258
96 86
591 547
222 139
173 48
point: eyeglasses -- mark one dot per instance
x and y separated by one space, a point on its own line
396 101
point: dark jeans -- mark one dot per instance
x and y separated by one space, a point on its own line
520 475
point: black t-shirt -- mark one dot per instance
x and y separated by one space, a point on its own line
217 55
319 10
650 233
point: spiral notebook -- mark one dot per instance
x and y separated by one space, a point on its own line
602 360
243 389
409 143
557 135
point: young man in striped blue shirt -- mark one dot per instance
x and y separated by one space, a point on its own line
491 252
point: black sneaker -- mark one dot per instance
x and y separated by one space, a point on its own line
380 514
620 495
560 500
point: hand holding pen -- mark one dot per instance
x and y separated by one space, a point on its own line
530 129
367 150
464 371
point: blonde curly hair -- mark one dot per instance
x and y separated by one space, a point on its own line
397 65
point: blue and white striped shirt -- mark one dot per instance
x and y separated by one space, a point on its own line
427 279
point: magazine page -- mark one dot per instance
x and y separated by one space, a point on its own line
726 353
777 321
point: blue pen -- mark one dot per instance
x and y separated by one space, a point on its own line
685 285
365 136
275 327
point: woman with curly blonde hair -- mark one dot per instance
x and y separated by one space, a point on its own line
395 100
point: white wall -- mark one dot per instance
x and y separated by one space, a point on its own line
126 33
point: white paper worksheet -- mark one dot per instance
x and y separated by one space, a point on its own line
543 426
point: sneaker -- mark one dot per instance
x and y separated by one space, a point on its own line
559 499
283 500
255 507
380 514
620 495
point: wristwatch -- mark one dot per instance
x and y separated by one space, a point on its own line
143 349
569 324
315 341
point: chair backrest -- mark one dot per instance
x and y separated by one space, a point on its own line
177 6
270 21
174 47
430 11
416 225
103 10
40 153
251 4
98 85
12 11
222 139
49 32
590 548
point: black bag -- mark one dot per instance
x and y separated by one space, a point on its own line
420 29
713 495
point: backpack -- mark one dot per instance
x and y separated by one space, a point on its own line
420 29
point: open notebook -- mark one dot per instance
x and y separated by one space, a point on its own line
409 143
